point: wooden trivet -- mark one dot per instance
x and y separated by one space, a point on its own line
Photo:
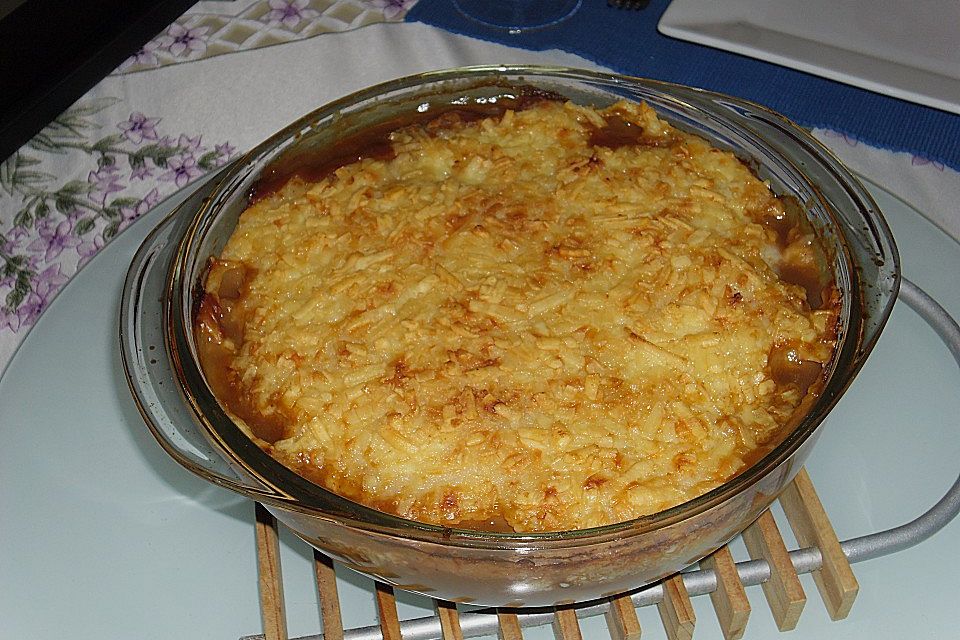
784 594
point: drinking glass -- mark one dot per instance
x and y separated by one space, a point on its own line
516 16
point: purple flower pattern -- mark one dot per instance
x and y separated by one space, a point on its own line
31 308
103 182
61 223
188 144
183 169
289 13
179 40
9 320
54 238
393 9
134 211
191 38
849 140
89 248
11 240
49 281
139 128
224 151
141 172
146 56
920 161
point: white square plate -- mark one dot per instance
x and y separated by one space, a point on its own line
903 49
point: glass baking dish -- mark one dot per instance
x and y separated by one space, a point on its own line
502 569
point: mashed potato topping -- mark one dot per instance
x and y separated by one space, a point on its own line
552 318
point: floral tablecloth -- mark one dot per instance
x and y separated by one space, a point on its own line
103 163
217 81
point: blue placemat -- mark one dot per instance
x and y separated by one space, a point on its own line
628 42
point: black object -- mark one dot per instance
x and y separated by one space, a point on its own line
53 51
629 4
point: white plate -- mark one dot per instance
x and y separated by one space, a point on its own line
904 49
103 536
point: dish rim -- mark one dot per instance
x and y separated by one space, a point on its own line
288 490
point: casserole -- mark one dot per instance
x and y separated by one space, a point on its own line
506 569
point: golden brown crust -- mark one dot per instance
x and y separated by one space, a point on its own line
558 318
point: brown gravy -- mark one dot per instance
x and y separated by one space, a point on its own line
787 368
618 132
219 320
374 141
803 262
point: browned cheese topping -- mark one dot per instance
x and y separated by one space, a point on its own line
554 318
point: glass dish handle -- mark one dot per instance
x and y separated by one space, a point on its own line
946 509
147 366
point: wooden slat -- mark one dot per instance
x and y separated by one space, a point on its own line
783 590
622 619
835 580
329 598
565 625
449 620
730 598
676 610
272 609
387 608
509 626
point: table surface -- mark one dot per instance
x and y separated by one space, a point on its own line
131 545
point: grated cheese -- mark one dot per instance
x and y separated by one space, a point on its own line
506 322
